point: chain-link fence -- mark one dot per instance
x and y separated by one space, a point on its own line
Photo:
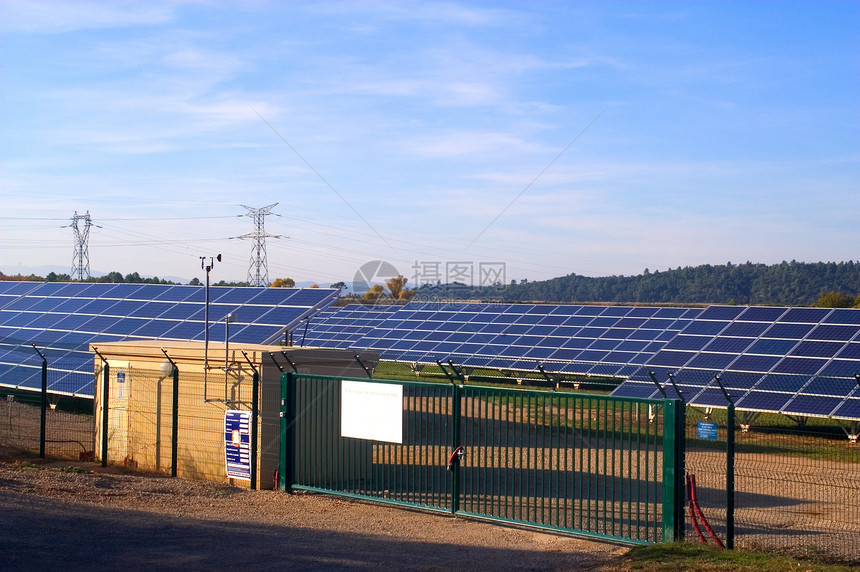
796 482
54 425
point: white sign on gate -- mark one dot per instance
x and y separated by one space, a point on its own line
371 411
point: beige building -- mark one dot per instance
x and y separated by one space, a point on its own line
140 401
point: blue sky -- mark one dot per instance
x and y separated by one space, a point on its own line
595 138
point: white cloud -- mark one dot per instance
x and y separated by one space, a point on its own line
60 16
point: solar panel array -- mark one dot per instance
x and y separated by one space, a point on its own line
62 319
795 361
799 361
605 340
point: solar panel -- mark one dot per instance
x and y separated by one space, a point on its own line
64 318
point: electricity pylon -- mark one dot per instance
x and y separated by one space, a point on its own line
81 260
258 272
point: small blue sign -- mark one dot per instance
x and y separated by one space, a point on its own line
237 444
707 430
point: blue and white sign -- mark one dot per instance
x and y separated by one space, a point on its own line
707 430
237 444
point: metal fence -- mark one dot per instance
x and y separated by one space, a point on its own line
595 465
797 488
50 425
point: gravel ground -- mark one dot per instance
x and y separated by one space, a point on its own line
100 519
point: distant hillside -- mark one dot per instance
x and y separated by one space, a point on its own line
786 284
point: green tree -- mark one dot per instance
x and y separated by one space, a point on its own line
834 300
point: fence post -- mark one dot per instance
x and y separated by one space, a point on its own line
105 396
44 403
255 418
673 469
730 465
288 423
455 469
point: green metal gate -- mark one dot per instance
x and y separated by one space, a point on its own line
594 465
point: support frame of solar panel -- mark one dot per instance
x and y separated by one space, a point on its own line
62 319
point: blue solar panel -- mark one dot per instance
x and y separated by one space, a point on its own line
807 315
755 363
745 329
763 401
721 313
811 405
772 347
789 331
761 314
799 365
843 316
782 382
670 358
834 332
817 349
833 386
850 410
684 342
712 360
705 328
730 345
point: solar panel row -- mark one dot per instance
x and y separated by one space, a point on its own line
62 319
795 361
606 340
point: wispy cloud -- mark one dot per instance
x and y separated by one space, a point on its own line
54 17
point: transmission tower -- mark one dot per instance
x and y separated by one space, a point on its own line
81 260
258 272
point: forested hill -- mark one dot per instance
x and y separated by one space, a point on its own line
786 284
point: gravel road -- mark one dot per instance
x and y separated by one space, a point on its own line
54 518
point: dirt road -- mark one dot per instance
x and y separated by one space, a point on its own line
104 519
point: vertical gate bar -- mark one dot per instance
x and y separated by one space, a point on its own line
455 473
510 451
612 452
605 442
521 424
531 437
591 437
579 471
568 473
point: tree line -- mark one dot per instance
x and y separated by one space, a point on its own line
834 284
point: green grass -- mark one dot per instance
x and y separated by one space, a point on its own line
690 556
73 469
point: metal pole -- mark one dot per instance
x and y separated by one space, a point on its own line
455 471
730 466
255 385
206 335
254 418
44 403
105 397
174 414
